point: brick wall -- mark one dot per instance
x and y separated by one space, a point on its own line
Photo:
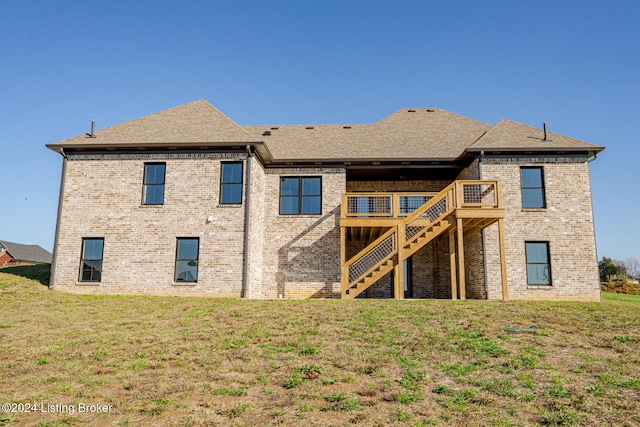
256 231
103 198
425 186
298 256
301 255
566 223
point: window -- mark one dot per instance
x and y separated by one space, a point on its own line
91 262
301 196
532 187
231 183
187 260
153 193
538 266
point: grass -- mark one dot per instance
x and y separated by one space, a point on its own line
620 297
200 361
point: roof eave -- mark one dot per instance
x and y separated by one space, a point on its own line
260 147
591 150
362 160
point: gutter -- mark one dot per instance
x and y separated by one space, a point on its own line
247 216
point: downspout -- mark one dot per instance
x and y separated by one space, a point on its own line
57 235
247 216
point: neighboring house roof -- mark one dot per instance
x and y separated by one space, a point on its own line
412 134
32 253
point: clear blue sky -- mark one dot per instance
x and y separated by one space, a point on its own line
572 64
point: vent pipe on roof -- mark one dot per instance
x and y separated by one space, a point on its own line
93 127
544 127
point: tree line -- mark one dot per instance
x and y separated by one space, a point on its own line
613 269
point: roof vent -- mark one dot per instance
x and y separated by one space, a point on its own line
267 133
544 127
430 110
411 111
346 127
309 127
93 127
274 128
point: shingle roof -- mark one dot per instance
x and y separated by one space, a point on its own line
408 134
33 253
194 122
508 136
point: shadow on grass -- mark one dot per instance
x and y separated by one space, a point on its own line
39 272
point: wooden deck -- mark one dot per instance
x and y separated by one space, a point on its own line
396 225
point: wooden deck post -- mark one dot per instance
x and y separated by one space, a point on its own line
452 263
435 268
398 270
344 272
463 291
503 261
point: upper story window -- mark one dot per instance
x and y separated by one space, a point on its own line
532 180
231 183
153 192
91 262
301 196
538 265
187 259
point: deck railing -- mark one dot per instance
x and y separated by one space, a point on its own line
465 194
385 205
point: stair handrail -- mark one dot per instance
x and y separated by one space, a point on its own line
434 200
369 246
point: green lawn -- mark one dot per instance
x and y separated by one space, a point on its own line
620 297
197 362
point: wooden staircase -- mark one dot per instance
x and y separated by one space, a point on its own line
399 233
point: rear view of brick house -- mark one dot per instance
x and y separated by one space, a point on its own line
421 204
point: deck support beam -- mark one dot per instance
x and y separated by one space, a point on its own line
435 267
452 263
344 271
503 261
460 231
398 270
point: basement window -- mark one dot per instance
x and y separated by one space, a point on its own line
91 262
187 259
301 196
538 265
